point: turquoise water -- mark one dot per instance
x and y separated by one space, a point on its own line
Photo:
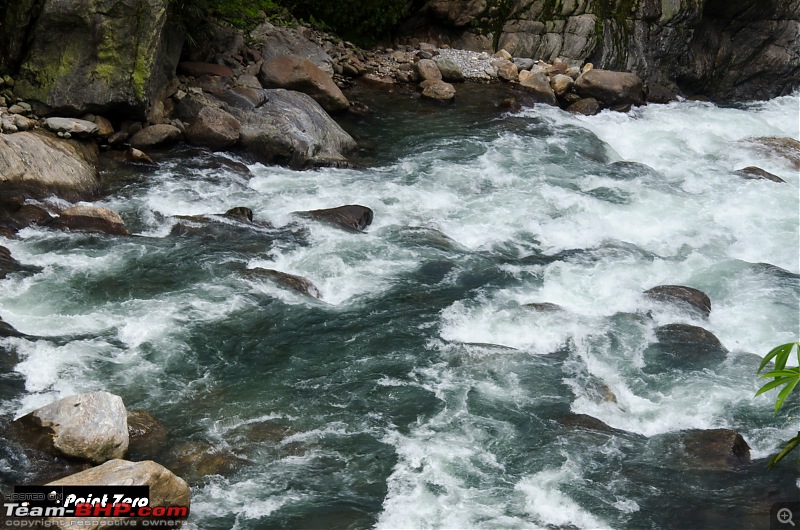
420 392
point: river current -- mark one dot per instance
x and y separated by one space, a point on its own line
421 391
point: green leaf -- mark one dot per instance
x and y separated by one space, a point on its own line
790 445
773 384
788 372
785 393
781 355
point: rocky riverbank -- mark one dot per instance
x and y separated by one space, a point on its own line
270 95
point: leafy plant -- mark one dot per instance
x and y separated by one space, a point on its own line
788 378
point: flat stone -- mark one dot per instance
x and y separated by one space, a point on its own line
73 126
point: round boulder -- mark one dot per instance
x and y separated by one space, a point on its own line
438 90
450 70
682 296
585 106
213 128
295 73
91 426
611 88
427 70
353 217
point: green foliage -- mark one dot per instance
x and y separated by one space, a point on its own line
244 14
788 378
358 20
781 375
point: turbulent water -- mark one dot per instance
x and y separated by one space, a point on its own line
420 391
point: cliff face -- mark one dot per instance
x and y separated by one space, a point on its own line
77 56
724 49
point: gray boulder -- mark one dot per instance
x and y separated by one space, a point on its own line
95 56
39 164
294 73
91 426
450 70
213 128
290 128
611 88
73 126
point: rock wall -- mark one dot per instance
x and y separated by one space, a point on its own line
100 56
724 49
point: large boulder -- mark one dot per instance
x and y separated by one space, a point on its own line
213 128
92 427
295 73
39 164
450 70
290 128
165 488
538 88
427 70
611 88
273 41
98 56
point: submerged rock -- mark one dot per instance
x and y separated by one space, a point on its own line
353 217
687 338
786 148
7 263
756 173
147 435
590 423
7 330
91 427
543 307
195 460
84 218
715 448
293 282
683 296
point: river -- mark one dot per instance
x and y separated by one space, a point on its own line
421 391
